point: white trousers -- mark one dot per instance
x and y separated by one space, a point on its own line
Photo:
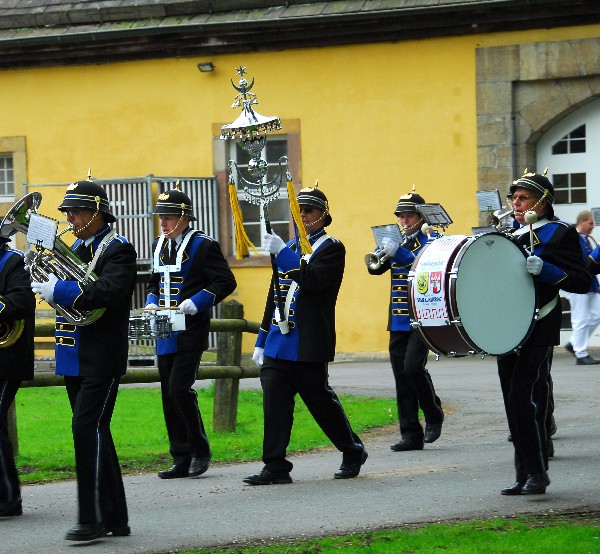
585 317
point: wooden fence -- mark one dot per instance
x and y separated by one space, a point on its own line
227 372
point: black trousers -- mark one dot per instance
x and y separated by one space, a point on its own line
414 387
99 482
10 489
281 380
185 428
524 379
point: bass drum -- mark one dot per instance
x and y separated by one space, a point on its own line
472 294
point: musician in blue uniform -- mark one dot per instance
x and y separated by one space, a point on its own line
408 353
91 353
17 325
296 342
555 263
191 274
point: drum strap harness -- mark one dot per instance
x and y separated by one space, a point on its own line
525 229
177 318
544 310
294 286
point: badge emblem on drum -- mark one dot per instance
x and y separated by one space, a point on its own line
423 282
436 281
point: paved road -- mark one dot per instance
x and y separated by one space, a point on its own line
459 476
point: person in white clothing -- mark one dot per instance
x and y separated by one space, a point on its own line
585 308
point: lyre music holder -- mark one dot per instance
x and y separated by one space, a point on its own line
434 215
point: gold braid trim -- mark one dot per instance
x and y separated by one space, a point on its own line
305 246
242 241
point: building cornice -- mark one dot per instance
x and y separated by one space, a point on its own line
54 32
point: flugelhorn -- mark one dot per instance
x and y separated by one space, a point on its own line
61 260
497 218
375 259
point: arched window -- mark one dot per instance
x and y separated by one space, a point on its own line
570 152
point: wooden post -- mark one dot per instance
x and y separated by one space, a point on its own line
12 428
229 353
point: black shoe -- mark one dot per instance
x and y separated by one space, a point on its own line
536 483
198 466
266 477
513 489
118 530
587 360
550 448
509 438
86 532
14 508
348 470
569 348
176 471
406 444
432 432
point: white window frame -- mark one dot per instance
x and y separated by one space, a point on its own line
7 178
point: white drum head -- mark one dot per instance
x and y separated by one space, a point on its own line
495 294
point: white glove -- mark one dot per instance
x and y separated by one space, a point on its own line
29 255
45 289
273 243
534 265
188 307
259 356
389 246
151 306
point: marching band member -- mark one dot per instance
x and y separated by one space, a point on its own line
295 360
17 323
556 263
408 354
191 274
93 357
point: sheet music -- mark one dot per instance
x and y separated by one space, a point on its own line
42 231
390 230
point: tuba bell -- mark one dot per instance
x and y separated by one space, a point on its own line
10 332
61 260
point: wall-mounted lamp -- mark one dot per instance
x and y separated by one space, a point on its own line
206 67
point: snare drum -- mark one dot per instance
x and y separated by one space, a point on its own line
472 294
148 327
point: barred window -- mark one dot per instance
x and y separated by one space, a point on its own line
278 210
7 178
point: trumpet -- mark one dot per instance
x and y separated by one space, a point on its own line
375 259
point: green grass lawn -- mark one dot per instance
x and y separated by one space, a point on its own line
46 445
526 535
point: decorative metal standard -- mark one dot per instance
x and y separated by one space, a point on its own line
250 131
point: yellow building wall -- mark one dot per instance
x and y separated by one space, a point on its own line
374 120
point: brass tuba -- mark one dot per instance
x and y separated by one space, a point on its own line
10 332
61 260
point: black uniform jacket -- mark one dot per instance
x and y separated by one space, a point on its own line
557 244
17 302
206 276
312 334
99 349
